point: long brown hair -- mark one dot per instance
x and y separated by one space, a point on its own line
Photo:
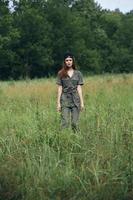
63 72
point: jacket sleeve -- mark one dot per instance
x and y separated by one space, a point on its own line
80 81
58 81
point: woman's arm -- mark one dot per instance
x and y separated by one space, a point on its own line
59 92
79 89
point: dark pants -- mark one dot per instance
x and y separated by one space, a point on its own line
70 115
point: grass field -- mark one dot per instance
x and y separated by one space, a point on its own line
40 162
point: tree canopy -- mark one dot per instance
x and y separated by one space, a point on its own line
35 34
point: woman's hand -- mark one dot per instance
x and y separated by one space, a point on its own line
58 108
82 107
59 92
79 89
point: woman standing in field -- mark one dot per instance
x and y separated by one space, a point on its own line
69 98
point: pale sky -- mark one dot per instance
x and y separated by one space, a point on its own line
123 5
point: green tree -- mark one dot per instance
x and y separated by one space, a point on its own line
8 38
35 35
124 40
34 49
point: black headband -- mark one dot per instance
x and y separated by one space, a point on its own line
68 55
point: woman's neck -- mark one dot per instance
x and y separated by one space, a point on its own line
70 72
70 69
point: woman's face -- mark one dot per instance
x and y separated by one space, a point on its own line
69 62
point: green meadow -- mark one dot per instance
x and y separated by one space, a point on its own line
39 161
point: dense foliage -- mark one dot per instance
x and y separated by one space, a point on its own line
34 34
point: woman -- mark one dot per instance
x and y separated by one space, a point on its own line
69 98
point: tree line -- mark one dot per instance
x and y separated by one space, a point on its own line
35 34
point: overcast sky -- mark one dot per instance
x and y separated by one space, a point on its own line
123 5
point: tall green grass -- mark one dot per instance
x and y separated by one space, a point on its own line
39 161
